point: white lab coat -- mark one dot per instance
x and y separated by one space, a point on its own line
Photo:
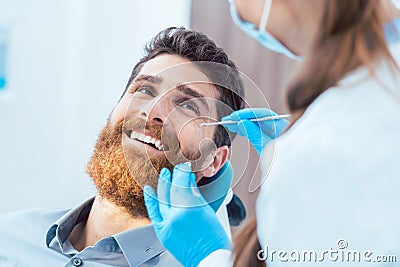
335 176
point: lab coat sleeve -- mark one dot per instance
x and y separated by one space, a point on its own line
219 258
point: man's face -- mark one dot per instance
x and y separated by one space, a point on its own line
156 124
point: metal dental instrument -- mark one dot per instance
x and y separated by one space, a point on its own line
267 118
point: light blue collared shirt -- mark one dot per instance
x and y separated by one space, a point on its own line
40 238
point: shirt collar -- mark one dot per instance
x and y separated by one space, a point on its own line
62 227
138 245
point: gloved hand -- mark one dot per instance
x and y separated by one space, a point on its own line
183 221
258 133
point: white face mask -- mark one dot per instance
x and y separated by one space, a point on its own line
260 33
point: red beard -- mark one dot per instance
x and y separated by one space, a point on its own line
120 172
120 175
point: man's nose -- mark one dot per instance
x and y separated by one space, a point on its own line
156 111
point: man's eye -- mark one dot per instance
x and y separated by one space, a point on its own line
191 106
145 90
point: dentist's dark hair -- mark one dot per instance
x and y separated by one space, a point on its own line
350 36
198 48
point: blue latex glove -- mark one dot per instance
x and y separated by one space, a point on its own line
258 133
182 219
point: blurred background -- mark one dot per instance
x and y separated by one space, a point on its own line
64 65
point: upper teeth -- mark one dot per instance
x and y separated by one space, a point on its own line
147 139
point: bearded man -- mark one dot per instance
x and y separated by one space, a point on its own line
180 83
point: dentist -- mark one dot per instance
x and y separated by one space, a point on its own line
334 182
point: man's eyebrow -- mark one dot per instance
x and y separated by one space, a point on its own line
189 91
149 78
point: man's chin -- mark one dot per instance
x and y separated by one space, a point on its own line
120 174
143 157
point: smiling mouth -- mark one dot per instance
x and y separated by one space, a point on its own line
147 140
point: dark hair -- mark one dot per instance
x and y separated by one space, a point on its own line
354 31
246 246
198 48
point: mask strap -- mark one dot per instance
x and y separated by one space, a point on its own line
265 15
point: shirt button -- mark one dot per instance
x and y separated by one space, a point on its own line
77 262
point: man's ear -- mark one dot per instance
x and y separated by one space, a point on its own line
221 155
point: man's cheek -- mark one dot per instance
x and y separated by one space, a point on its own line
189 139
201 154
189 132
123 108
116 115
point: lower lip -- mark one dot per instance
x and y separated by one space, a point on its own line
127 140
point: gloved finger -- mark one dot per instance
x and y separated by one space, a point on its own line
231 117
268 128
239 115
152 205
273 128
253 134
249 113
182 176
249 129
184 190
164 189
